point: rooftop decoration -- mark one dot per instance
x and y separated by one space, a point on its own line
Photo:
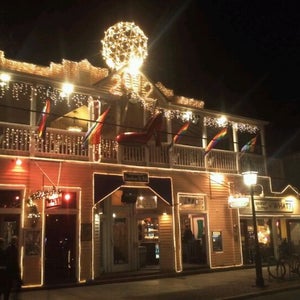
124 44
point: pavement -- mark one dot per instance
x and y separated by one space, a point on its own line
214 284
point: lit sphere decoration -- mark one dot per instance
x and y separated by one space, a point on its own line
124 44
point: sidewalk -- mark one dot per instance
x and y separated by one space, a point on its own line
234 284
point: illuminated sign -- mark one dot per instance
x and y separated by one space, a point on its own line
238 202
275 205
190 201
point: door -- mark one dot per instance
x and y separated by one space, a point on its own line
123 249
117 236
193 239
120 241
60 249
293 229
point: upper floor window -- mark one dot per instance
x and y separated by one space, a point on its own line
10 199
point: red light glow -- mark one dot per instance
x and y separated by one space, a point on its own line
67 197
18 162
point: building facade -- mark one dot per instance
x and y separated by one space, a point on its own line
151 192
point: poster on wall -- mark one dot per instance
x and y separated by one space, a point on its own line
32 242
217 241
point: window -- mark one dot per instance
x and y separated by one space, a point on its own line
10 199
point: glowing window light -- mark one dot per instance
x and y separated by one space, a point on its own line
74 129
217 178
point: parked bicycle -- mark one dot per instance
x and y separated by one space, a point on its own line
277 268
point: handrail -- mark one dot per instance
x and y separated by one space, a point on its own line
23 140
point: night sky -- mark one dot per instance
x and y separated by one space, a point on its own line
239 56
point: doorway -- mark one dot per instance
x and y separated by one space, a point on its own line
9 226
60 249
293 231
193 239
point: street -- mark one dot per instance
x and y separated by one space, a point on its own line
235 284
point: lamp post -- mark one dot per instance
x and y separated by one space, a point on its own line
250 179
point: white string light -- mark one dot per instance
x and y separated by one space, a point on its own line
124 44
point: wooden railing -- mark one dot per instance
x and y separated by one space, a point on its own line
22 140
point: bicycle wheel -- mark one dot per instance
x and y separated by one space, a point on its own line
276 268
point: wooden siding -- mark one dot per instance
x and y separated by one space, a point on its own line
166 243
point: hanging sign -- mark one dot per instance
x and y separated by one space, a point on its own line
238 202
135 177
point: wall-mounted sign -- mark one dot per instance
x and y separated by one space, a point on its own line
274 205
271 205
238 201
190 201
217 243
135 177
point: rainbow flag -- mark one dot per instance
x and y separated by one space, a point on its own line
215 140
250 146
43 119
181 132
93 134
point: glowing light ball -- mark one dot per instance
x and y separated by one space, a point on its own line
124 44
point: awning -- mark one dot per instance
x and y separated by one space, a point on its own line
163 187
105 184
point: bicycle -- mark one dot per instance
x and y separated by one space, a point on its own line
277 268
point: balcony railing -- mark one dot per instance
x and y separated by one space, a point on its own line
22 140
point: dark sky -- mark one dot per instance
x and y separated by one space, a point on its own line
239 56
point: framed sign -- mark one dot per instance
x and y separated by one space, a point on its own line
191 201
32 240
217 241
135 177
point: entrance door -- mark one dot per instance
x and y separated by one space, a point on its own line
9 226
117 240
60 249
193 238
293 227
120 241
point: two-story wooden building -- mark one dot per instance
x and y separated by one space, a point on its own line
84 209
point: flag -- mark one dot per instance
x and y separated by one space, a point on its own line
250 146
93 134
43 119
215 140
181 132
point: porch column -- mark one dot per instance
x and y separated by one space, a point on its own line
33 107
236 146
263 148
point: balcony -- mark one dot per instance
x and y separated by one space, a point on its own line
22 140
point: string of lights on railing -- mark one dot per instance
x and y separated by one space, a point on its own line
223 122
21 89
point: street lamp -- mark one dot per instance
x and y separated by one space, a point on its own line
250 179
